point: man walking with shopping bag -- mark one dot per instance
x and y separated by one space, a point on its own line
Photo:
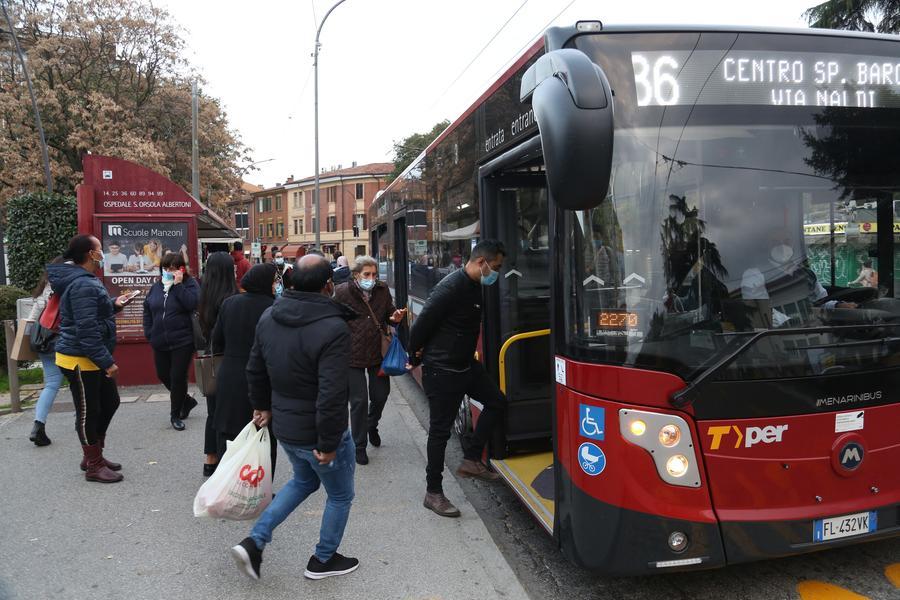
297 377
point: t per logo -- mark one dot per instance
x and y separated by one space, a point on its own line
750 436
251 476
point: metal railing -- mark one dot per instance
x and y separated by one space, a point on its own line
505 347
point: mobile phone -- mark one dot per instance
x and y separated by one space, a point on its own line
133 295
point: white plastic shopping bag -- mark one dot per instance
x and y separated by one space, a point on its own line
241 487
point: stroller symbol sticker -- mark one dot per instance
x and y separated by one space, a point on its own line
591 420
591 459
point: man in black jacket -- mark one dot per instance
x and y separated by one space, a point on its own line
297 376
443 338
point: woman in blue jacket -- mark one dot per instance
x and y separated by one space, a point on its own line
84 347
167 325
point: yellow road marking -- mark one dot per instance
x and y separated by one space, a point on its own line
892 572
817 590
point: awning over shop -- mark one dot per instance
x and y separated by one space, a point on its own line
292 250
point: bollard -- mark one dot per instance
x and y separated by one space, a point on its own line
12 367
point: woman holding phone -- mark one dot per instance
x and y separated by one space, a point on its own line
167 325
87 338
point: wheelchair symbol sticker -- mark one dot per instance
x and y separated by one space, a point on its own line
592 422
591 459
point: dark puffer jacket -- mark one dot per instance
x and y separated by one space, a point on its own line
87 325
298 369
365 334
449 324
167 320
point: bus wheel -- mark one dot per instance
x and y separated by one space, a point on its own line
463 423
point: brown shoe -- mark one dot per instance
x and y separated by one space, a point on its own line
96 468
476 469
114 466
438 502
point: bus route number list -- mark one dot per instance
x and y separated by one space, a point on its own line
757 78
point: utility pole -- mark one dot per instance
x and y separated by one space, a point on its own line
195 144
34 106
316 94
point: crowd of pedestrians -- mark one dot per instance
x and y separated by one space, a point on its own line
300 354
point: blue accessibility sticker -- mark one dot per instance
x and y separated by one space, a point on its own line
592 422
591 459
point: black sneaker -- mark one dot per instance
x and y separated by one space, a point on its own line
247 557
361 457
336 565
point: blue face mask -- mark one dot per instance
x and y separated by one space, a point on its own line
167 277
367 284
490 278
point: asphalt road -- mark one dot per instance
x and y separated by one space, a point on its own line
546 575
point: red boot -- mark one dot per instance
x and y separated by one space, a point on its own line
96 469
113 466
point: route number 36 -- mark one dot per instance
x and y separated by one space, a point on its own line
655 84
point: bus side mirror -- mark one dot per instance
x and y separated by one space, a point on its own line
573 107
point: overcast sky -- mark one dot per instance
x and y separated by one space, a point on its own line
388 68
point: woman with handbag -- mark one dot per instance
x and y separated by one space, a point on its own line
217 285
369 335
46 351
84 347
168 326
233 337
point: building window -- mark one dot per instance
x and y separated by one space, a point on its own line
314 224
259 206
359 191
300 221
295 226
296 199
240 220
278 202
359 219
261 233
270 230
332 195
332 223
280 229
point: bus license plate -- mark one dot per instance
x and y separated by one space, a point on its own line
845 526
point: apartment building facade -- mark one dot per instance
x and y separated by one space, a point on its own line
346 194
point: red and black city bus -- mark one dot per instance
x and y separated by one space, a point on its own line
697 325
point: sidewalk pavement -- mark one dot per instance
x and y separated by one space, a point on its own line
64 537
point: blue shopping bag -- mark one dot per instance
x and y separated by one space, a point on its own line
395 358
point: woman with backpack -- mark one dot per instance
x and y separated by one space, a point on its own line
168 326
52 375
84 347
218 284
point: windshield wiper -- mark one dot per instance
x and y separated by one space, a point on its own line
683 397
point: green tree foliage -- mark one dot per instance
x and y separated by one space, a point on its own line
8 296
882 16
407 149
110 78
38 228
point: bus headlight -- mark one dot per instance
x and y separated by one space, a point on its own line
638 427
671 449
677 465
670 435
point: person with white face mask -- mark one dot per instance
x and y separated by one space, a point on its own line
282 274
371 299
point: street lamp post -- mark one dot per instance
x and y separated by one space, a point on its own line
318 227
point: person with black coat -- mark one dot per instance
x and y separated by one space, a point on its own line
297 375
168 326
233 337
443 338
217 285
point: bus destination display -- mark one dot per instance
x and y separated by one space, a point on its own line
616 322
766 78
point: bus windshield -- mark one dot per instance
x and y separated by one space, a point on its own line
727 215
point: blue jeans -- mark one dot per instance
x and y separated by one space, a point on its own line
337 477
52 380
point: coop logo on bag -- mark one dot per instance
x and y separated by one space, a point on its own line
251 476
